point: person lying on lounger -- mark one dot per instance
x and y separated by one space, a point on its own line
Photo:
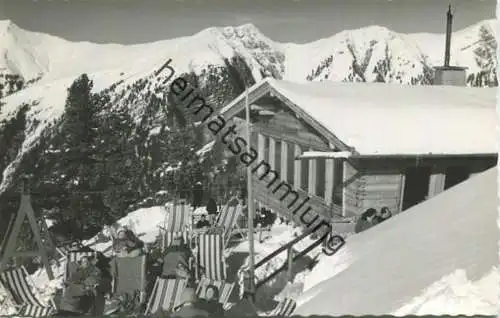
127 244
80 290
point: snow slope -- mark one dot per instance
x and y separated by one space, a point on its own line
144 222
440 257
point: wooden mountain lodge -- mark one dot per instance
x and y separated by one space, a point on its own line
353 146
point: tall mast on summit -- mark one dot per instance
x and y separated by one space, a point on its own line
449 24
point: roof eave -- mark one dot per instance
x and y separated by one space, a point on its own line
425 155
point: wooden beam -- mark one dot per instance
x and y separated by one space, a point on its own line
297 178
291 138
289 263
26 254
26 200
272 153
26 210
311 188
344 189
329 179
284 161
261 140
402 192
12 240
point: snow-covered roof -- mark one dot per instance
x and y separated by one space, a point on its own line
390 119
439 257
326 155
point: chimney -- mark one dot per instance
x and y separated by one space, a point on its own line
449 23
446 74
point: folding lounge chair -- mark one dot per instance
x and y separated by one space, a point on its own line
179 224
210 259
129 275
285 308
73 257
65 249
15 283
227 220
225 289
166 295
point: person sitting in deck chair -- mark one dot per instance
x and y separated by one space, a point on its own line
80 291
211 302
211 210
202 223
176 260
127 244
384 214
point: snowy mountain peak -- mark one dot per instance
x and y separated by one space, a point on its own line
7 26
4 25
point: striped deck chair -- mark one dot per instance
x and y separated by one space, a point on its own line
179 224
227 220
22 295
166 295
64 250
210 260
285 308
225 289
73 257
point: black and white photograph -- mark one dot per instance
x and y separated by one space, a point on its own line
248 158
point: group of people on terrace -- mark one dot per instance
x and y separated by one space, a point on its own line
90 284
372 217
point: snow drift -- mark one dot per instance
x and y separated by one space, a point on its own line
440 257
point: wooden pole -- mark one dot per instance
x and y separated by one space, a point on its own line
26 210
251 211
289 263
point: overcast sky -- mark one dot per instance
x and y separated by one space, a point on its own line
135 21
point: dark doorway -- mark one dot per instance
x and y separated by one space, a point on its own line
416 186
455 175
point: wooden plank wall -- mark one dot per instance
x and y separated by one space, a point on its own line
380 190
352 183
285 126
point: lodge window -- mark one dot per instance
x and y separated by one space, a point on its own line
277 156
266 149
304 176
455 175
320 177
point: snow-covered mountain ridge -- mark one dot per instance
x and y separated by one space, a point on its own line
372 53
